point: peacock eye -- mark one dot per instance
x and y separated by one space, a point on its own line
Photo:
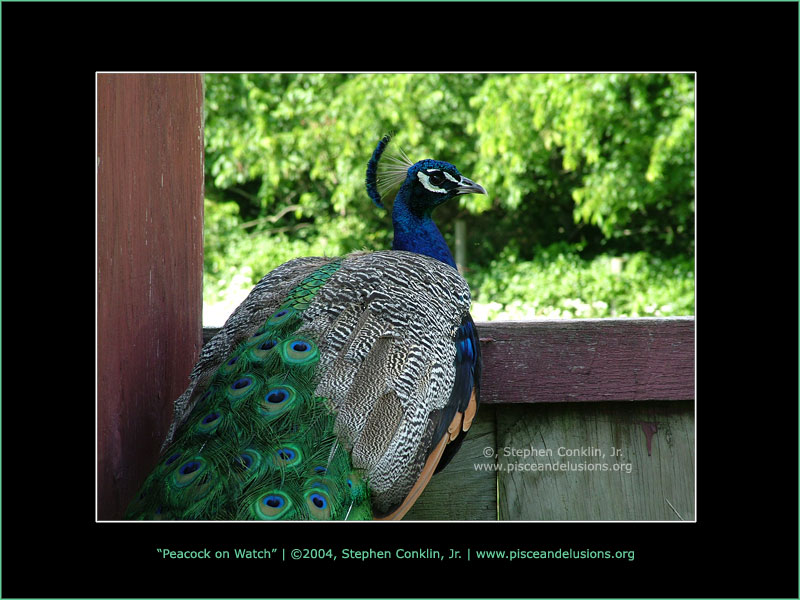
436 178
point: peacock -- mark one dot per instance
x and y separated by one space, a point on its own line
340 385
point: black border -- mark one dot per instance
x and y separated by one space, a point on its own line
745 55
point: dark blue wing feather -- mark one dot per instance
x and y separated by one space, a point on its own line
468 376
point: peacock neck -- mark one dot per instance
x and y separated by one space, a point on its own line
416 232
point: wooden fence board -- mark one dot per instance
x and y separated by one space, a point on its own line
656 439
588 360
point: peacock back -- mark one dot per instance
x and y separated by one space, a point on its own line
334 391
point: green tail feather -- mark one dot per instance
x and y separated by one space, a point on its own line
259 444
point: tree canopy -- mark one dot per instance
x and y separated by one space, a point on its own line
581 166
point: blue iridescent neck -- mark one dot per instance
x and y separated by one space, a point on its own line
415 231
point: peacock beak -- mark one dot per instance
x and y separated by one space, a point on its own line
467 186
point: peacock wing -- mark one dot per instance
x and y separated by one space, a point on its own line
400 366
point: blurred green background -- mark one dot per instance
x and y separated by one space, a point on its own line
590 211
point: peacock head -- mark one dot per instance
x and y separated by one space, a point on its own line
424 185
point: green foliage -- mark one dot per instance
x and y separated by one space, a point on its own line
559 283
600 162
616 151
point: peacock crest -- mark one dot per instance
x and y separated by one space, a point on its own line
386 171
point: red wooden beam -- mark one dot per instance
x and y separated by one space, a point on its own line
149 268
588 360
584 360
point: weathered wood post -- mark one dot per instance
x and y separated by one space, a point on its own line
149 268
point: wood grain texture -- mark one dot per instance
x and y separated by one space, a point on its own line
588 360
463 492
149 268
656 440
584 360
